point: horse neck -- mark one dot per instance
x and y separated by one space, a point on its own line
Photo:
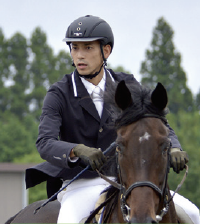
171 216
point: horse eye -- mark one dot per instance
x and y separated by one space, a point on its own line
166 147
119 148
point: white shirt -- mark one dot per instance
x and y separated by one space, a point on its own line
96 92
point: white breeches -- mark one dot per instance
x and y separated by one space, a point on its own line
80 197
190 209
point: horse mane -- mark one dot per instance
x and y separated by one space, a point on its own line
141 97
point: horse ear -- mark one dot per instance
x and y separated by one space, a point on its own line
123 96
159 96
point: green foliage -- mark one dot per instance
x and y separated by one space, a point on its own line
37 193
197 101
17 136
186 126
163 64
32 157
27 69
17 75
120 69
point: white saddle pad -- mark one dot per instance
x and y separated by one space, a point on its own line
183 215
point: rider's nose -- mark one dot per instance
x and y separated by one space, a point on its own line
80 54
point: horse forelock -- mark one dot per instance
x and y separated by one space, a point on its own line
141 105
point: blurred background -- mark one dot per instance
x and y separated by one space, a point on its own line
157 41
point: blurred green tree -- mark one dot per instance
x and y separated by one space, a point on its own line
197 101
27 69
163 64
186 126
17 137
45 69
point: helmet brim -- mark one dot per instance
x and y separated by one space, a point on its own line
76 39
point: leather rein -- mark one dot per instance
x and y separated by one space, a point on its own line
163 192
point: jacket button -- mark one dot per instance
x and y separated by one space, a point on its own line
64 156
101 129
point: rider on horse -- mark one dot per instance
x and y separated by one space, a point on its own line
75 123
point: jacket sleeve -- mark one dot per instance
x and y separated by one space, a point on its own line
48 144
174 139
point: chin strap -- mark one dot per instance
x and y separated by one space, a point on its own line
93 75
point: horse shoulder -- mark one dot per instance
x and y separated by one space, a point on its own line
47 214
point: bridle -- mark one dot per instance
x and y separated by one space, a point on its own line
163 192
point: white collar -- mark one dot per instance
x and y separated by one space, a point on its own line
102 83
90 87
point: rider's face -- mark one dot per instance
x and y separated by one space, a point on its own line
87 56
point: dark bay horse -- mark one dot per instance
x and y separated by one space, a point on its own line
142 160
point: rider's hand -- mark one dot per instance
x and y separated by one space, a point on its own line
90 156
178 159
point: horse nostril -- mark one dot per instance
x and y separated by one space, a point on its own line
143 220
150 220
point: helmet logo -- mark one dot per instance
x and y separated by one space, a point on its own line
80 23
78 29
78 34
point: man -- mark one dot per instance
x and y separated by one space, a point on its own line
74 127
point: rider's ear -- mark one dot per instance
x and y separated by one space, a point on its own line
123 96
159 96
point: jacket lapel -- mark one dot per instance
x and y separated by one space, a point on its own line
85 100
106 113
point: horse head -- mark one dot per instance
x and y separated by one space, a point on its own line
143 151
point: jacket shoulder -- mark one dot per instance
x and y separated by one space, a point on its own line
62 84
118 76
66 79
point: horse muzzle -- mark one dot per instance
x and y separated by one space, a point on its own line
145 220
